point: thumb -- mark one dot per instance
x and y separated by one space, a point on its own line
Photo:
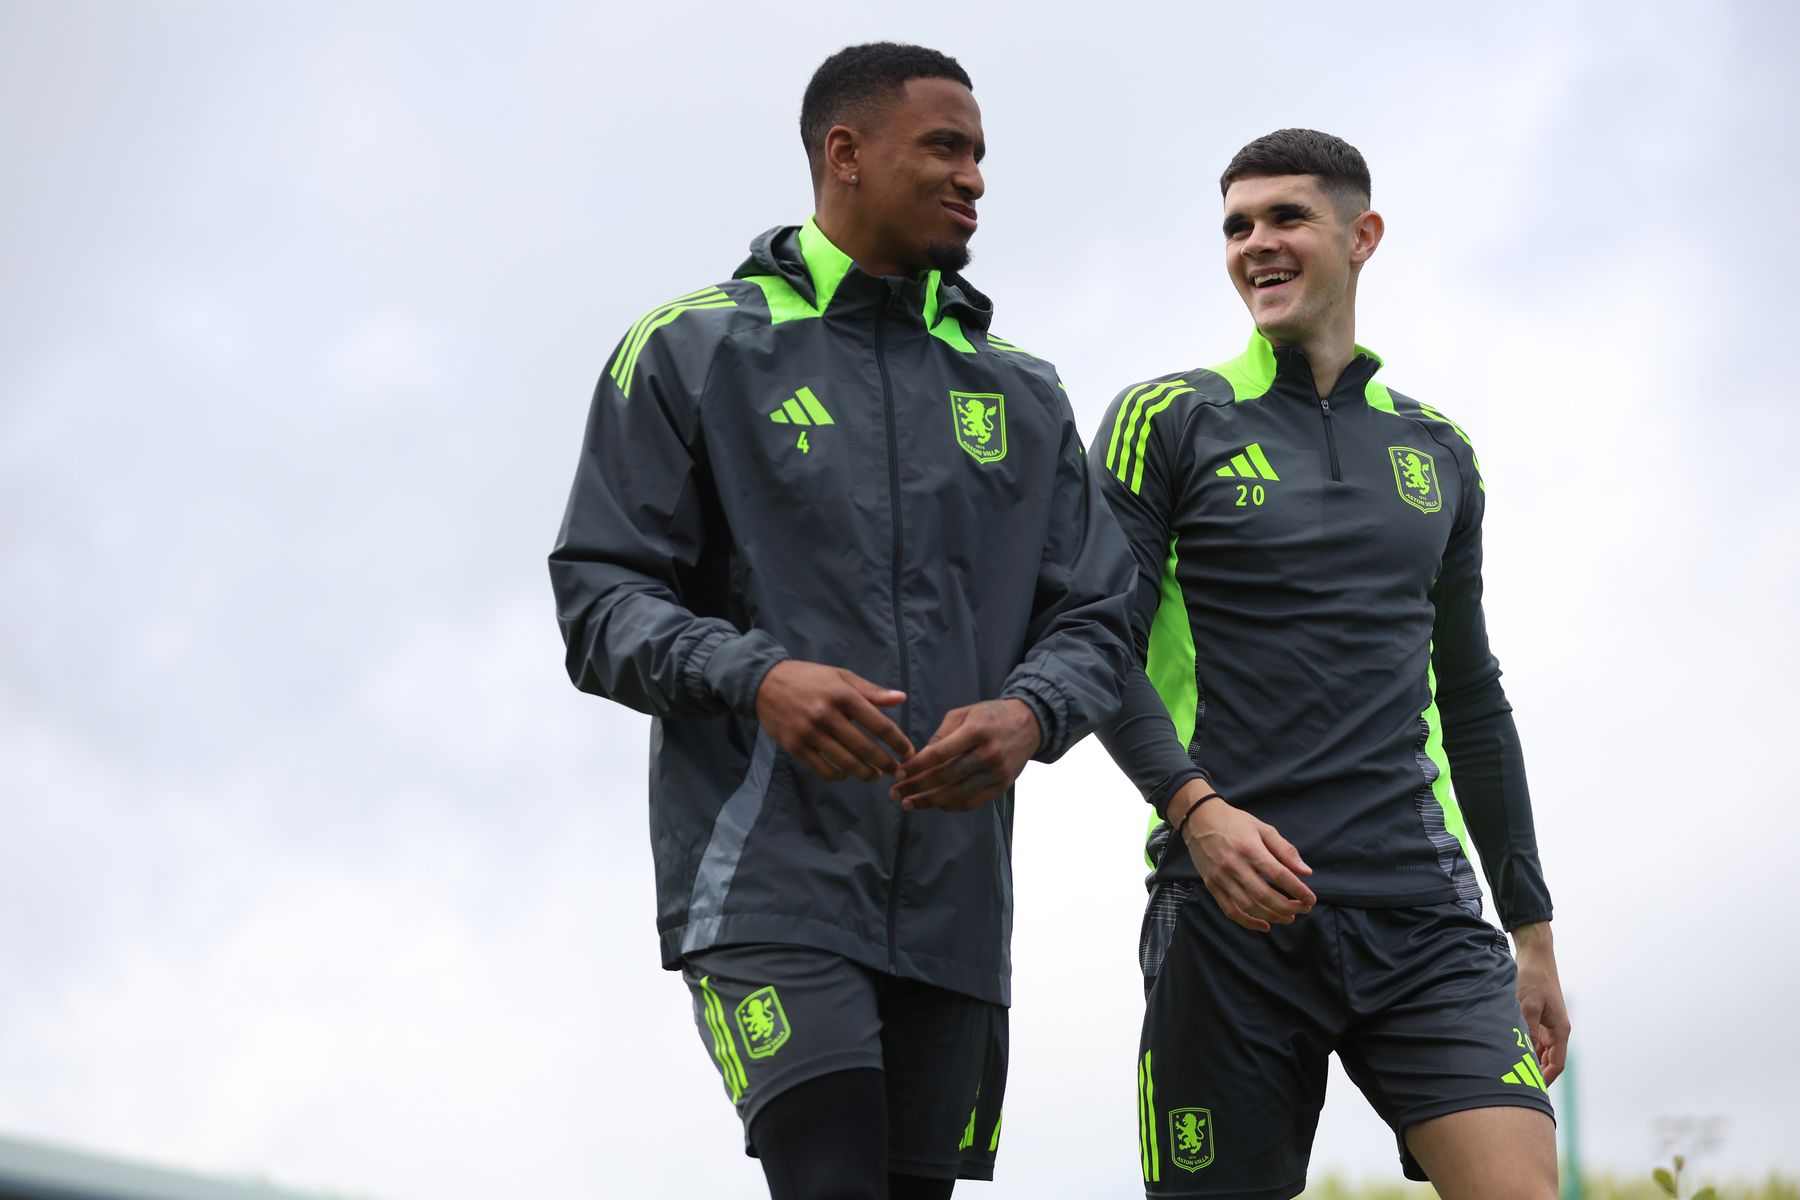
874 693
952 720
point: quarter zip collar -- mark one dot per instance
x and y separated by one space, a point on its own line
1293 374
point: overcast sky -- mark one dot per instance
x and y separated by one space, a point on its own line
314 863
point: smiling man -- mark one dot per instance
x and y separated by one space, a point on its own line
1309 621
841 541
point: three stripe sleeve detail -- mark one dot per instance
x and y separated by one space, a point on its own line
1131 428
633 345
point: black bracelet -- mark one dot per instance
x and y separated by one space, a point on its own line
1181 825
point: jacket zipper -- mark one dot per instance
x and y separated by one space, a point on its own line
887 401
1330 440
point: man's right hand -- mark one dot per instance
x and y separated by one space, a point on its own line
1252 871
824 717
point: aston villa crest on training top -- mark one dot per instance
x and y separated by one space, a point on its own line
980 419
1415 475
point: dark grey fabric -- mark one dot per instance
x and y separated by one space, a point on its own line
1320 601
704 542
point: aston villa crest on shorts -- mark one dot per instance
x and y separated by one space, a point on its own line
1190 1138
762 1023
1415 475
980 419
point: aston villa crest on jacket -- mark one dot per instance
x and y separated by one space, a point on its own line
980 424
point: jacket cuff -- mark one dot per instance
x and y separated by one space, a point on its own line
1165 791
1047 704
730 666
1511 921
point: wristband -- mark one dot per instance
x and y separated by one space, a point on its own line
1181 825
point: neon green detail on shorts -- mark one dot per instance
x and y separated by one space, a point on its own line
994 1142
1525 1073
762 1022
1440 787
1148 1134
724 1049
1191 1138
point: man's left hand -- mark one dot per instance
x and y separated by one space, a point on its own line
974 756
1541 997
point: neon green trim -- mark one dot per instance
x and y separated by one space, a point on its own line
1362 349
1148 1147
1112 447
785 304
656 318
1169 664
1378 396
1131 426
946 329
1137 476
1251 373
949 331
1170 660
814 409
1255 451
724 1049
824 262
1435 415
968 1137
994 1142
1440 787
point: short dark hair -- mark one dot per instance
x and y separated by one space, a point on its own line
1338 166
853 83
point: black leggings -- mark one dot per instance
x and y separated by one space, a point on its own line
826 1139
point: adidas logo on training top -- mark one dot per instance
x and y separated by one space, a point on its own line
1250 463
802 408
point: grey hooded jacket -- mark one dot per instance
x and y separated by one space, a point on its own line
814 462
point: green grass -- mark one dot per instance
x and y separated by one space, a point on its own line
1598 1187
